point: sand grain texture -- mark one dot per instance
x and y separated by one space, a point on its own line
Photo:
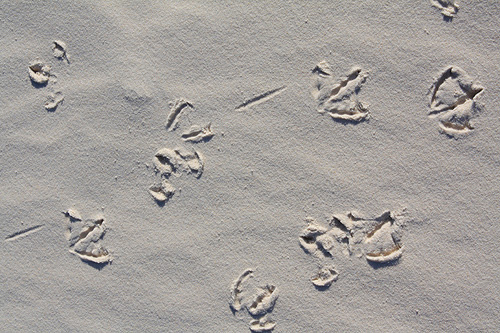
109 71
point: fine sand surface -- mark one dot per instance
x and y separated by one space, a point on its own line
164 166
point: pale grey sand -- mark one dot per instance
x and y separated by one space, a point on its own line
246 68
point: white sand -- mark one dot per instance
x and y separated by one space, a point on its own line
273 161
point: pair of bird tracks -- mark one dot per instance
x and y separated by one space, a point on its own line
40 75
258 304
377 239
452 98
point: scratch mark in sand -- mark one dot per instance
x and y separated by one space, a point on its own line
23 233
261 98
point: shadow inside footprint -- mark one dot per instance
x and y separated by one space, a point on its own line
346 122
38 85
377 265
321 288
98 266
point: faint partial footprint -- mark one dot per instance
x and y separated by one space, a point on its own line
60 50
40 75
320 241
178 106
264 324
85 237
448 8
237 289
452 101
54 100
338 97
197 133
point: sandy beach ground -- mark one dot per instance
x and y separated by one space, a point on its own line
164 166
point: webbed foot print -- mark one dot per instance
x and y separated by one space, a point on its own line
372 238
338 97
85 238
377 239
453 101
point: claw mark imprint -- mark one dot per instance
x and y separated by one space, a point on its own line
59 50
338 97
173 161
84 239
325 276
197 133
453 101
447 7
23 233
162 192
262 325
261 98
173 117
54 100
237 289
39 72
